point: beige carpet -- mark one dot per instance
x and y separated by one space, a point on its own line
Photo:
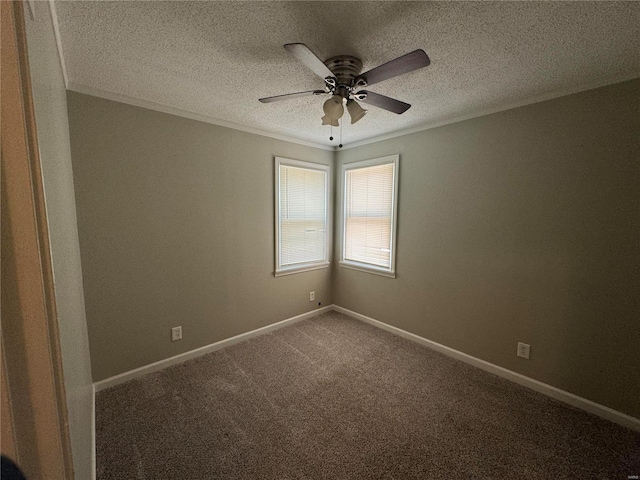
334 398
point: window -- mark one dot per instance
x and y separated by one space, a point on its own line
370 198
302 192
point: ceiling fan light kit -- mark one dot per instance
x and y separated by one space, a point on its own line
344 82
334 108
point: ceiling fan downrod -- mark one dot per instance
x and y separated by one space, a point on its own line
345 70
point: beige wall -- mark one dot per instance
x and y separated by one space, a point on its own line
517 226
50 104
521 226
176 223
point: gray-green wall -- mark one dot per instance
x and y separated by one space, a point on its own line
176 223
523 226
50 105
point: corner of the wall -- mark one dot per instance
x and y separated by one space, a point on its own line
93 432
569 398
56 31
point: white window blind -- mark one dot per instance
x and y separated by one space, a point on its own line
301 216
369 214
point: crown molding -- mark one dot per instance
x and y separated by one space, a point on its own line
488 111
564 396
56 32
30 9
378 138
159 107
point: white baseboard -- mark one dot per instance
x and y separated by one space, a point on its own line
553 392
183 357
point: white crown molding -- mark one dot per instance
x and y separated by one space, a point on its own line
93 433
159 107
548 390
488 111
198 352
378 138
56 31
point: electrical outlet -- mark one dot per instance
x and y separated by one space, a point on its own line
523 350
176 334
312 296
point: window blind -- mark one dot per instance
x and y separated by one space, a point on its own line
302 216
368 214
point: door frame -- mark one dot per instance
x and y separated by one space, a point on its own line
35 431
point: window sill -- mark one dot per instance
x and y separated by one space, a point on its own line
306 268
361 267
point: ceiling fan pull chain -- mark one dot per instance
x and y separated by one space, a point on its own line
340 146
331 130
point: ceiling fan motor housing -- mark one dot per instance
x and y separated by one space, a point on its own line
346 68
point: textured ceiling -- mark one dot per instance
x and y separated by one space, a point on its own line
217 58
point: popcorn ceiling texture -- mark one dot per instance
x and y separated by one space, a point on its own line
217 58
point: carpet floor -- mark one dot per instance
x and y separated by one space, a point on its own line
335 398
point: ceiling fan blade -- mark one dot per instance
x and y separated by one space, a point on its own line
306 56
287 96
384 102
404 64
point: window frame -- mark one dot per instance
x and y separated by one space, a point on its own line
307 266
361 266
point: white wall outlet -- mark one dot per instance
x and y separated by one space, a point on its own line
523 350
176 334
312 296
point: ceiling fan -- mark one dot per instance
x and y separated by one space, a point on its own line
345 83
